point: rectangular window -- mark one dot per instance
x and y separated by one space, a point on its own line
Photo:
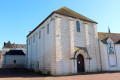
78 26
14 61
29 41
48 29
33 38
39 34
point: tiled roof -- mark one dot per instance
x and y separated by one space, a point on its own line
15 52
9 45
19 45
114 36
68 12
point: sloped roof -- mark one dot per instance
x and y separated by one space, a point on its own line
15 52
114 36
9 45
66 12
19 46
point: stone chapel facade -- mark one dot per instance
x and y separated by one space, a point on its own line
65 43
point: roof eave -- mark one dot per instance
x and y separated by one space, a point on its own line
60 14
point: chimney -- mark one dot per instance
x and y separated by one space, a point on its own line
13 43
4 43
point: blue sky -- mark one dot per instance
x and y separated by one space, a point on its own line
18 17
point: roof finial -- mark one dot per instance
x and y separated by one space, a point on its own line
109 30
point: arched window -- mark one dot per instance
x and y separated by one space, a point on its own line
77 26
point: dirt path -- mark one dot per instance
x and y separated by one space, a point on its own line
9 74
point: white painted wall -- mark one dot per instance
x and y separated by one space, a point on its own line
8 61
54 50
42 49
106 57
69 38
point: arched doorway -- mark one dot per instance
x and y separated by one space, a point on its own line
80 63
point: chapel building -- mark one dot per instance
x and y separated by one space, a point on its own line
67 42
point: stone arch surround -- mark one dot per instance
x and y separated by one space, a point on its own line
86 61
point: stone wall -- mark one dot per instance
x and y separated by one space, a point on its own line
106 56
8 61
54 51
68 38
40 53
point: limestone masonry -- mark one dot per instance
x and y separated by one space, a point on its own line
68 43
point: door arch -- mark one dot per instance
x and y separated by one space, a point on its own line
80 63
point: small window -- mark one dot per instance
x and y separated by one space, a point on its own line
34 38
39 34
14 61
77 26
29 41
48 29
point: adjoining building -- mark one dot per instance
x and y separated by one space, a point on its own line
110 51
1 59
68 43
13 55
8 46
14 59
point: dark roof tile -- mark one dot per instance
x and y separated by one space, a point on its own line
15 52
68 12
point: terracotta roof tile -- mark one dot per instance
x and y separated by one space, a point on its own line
9 45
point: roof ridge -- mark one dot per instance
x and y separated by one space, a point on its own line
68 13
72 13
60 8
108 33
76 12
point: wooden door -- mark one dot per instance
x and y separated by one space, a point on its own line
80 63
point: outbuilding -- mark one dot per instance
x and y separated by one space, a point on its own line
14 59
